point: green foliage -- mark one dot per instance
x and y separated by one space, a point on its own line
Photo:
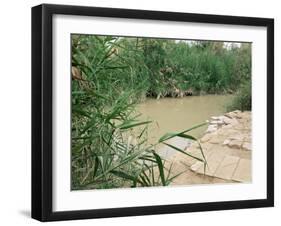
243 98
111 75
107 149
160 67
108 153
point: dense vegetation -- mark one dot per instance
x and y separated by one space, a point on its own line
161 67
110 75
243 98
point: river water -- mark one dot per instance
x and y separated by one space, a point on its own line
178 114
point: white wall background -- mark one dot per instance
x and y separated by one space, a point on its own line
15 105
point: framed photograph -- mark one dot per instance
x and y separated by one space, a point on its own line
145 112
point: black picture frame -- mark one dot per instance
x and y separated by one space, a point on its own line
42 111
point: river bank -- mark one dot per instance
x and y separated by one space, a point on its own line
227 148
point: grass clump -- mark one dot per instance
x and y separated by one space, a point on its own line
242 99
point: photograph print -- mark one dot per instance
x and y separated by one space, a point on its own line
151 112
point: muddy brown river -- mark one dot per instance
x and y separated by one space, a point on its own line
178 114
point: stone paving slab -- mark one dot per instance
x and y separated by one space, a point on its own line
178 142
194 151
227 167
213 161
247 146
196 166
226 146
231 148
235 144
243 171
217 140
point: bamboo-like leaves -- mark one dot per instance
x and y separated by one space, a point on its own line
160 168
168 136
133 124
182 134
126 176
181 151
117 72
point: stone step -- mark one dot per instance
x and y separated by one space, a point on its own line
179 142
213 162
227 167
243 171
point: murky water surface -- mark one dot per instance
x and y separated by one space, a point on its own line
178 114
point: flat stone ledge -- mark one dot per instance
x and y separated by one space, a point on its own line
227 167
227 147
213 162
243 171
